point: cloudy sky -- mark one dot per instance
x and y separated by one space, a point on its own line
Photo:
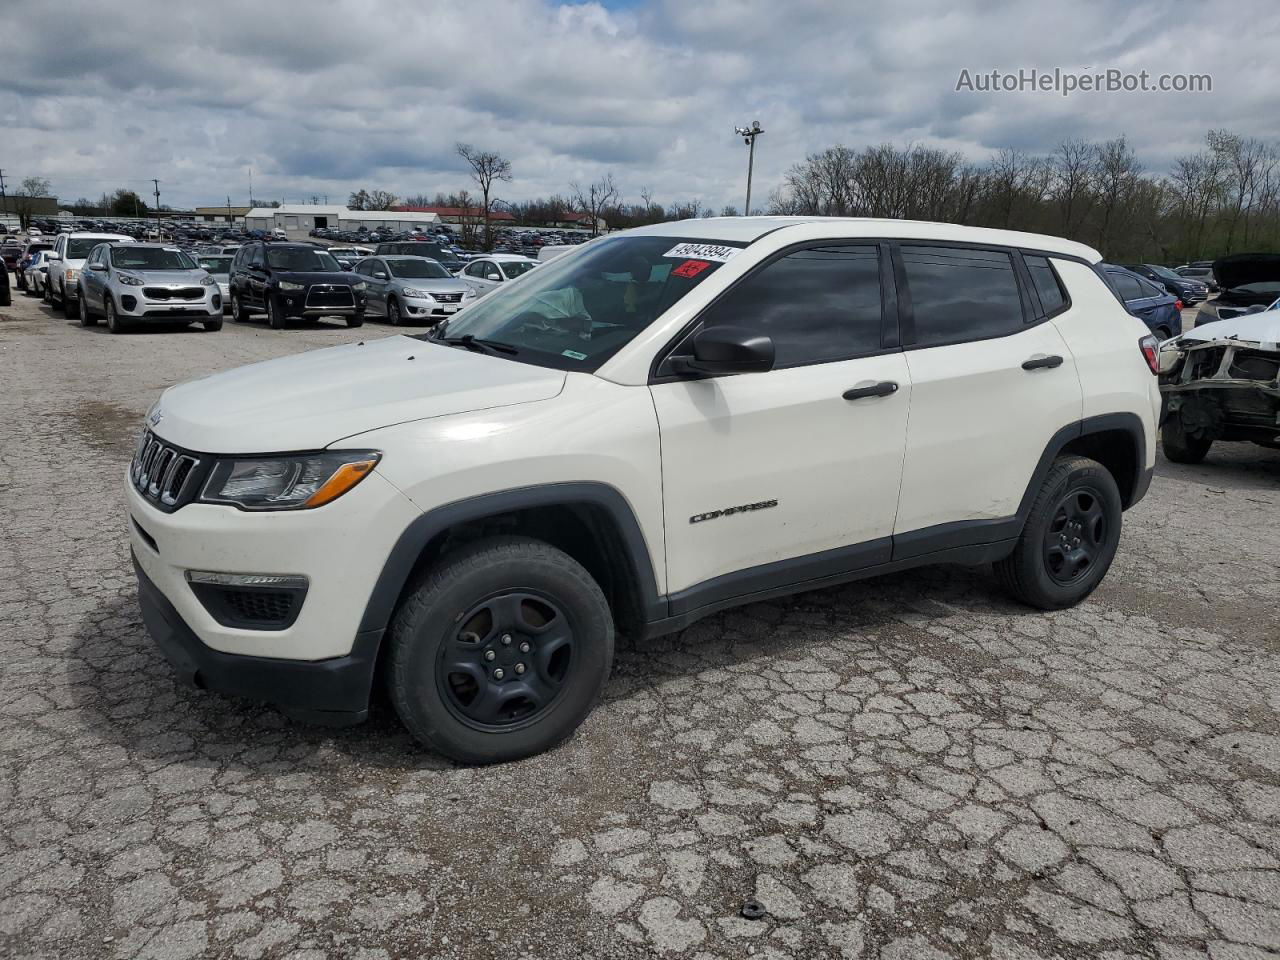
326 96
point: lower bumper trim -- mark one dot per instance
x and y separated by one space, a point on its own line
333 691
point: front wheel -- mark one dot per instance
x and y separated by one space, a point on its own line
275 318
87 319
499 651
355 319
212 326
70 309
393 312
114 323
1069 538
1181 446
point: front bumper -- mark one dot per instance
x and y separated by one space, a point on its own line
422 308
302 304
132 303
334 690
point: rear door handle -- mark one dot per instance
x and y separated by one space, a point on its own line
1037 363
881 389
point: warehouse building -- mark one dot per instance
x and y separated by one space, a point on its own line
303 218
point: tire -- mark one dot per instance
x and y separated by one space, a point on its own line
20 280
114 323
212 326
274 317
1180 446
356 319
1069 538
46 293
498 588
238 314
393 312
68 310
87 319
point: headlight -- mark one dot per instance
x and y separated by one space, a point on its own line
417 294
288 483
129 280
288 287
359 286
208 281
71 273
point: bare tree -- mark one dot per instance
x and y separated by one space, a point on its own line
593 198
24 198
359 200
487 168
1116 170
382 200
1071 182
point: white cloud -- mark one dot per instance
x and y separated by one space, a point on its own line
325 97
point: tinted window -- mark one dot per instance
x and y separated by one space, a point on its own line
255 257
959 294
491 272
417 268
1150 289
1052 297
513 268
302 260
1127 286
816 305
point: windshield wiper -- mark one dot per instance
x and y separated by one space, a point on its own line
478 344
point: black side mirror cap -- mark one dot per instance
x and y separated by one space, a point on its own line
726 350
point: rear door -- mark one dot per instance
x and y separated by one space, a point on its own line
991 382
789 465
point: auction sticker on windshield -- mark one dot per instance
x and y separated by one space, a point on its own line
702 251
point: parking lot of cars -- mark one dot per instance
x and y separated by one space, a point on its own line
907 767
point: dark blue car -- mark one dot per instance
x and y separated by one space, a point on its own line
1160 310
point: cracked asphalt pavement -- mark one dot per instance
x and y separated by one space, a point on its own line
906 768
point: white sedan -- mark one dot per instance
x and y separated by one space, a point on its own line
490 271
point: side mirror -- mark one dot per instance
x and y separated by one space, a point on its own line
726 350
100 267
379 275
53 256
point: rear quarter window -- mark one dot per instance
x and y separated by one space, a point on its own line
1053 296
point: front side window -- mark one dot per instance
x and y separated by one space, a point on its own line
816 305
491 272
577 311
301 260
1052 297
78 247
417 268
959 294
216 265
149 258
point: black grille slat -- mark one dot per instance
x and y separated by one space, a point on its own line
166 475
173 293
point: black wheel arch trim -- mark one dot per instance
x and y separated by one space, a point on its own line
413 541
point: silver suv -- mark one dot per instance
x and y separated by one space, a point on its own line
146 282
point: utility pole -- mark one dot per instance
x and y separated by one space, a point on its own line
748 135
4 200
229 220
159 236
251 187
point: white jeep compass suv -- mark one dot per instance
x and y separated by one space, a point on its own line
659 425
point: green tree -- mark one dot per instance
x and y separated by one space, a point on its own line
126 203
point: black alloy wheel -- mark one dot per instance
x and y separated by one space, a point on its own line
508 660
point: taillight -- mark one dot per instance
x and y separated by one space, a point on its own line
1150 348
1177 304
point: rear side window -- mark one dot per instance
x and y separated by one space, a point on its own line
1126 286
1053 299
817 305
959 294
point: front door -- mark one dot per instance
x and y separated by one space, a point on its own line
775 468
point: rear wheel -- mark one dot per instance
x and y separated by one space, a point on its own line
1069 539
499 651
1181 446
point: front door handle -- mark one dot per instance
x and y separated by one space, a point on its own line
1037 363
881 389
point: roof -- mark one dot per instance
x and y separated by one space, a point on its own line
750 229
506 257
401 216
458 212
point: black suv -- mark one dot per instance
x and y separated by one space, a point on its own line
421 248
292 280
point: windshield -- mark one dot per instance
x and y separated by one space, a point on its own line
150 258
576 312
78 247
216 264
418 268
514 268
301 260
1164 272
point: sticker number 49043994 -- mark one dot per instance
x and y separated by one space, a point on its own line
702 251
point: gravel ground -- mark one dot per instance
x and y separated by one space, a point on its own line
911 767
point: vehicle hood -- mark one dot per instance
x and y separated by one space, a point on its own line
435 285
1261 328
310 400
1241 268
340 276
172 278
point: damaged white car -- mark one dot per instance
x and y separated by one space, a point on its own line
1221 381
